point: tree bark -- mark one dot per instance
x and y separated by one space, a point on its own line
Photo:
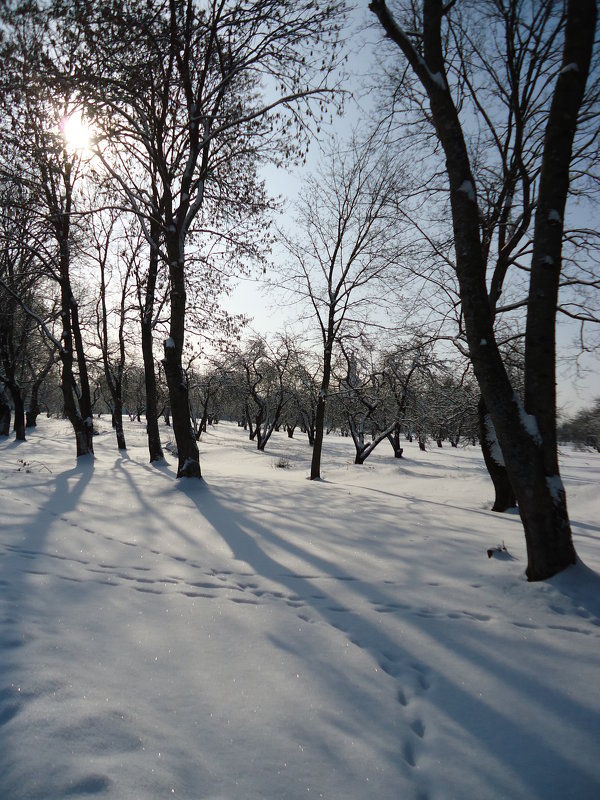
187 448
394 440
494 461
34 398
83 427
152 413
85 395
19 410
315 465
16 394
5 414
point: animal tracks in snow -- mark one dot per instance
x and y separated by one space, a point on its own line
369 615
248 588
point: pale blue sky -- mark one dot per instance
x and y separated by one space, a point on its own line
578 378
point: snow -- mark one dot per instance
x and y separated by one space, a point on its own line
258 635
467 188
170 343
528 421
436 77
554 216
572 67
492 439
556 487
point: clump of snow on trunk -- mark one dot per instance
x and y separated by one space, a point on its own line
492 440
528 421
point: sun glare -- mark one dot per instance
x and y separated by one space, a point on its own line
76 132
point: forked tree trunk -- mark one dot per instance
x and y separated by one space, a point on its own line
34 398
394 440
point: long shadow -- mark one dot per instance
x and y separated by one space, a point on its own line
426 501
581 585
242 533
68 489
522 750
165 471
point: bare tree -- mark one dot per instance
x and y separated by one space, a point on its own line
526 431
361 393
401 368
41 159
179 91
150 304
265 368
115 253
342 260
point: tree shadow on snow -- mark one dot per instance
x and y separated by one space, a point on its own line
508 739
26 556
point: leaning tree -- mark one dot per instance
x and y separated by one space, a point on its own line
526 430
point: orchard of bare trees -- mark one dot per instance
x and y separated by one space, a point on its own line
425 261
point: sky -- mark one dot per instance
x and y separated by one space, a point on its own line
578 374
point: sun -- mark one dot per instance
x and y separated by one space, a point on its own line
76 132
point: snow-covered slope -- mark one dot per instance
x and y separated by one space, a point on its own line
258 635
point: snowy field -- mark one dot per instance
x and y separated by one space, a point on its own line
258 635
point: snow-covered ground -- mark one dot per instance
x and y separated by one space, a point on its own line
258 635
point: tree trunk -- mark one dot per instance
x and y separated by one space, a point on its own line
34 404
85 395
12 385
394 440
118 421
315 465
309 426
187 448
494 461
527 435
81 426
19 418
113 374
5 414
546 265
